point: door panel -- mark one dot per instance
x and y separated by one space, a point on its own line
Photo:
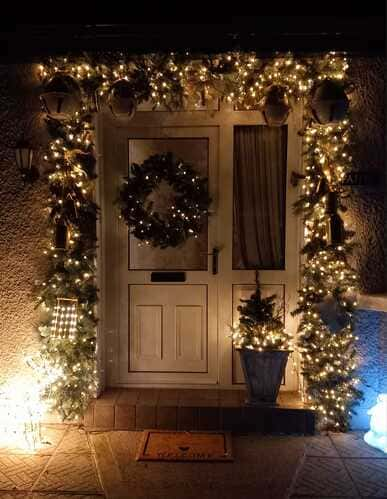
192 255
168 328
147 333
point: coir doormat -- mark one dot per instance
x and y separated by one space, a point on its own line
163 445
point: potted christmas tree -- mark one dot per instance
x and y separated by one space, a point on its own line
263 345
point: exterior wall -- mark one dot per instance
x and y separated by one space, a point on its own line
23 224
371 329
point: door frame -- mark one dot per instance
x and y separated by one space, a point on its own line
106 334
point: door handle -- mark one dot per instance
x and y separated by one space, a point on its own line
215 257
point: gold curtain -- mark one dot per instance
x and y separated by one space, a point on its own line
259 197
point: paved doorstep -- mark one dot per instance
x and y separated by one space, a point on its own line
71 461
341 465
263 467
64 464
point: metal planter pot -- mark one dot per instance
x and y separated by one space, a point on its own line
263 374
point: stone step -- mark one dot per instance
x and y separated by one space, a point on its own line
172 409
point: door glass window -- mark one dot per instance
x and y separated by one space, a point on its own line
192 255
259 197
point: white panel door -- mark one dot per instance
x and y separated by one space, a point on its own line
179 332
165 332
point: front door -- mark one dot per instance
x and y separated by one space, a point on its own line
160 331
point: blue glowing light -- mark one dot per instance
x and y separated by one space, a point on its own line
377 436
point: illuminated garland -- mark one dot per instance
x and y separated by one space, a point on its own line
173 80
328 358
72 271
187 213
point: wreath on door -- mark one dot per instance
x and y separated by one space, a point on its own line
186 215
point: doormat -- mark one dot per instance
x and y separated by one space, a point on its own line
164 445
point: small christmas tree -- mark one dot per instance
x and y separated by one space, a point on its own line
260 324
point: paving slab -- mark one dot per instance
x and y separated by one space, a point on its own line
323 476
19 471
43 495
352 445
74 442
369 476
70 473
320 446
253 473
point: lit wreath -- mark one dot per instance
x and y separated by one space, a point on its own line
183 219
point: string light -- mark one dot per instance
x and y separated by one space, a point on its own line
171 81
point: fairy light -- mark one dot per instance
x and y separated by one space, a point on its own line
64 321
242 80
326 273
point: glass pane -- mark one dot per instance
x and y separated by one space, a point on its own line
259 197
192 255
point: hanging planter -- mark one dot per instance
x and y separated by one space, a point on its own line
275 106
61 97
121 100
329 102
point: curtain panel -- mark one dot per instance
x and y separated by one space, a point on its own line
260 154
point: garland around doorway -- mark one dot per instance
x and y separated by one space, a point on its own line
75 88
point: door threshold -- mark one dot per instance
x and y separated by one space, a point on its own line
192 409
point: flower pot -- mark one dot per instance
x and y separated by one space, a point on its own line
263 374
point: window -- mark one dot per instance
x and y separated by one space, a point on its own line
259 197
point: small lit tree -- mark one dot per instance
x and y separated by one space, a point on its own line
263 345
261 325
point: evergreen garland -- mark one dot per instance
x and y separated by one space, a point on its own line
187 213
71 271
327 358
328 352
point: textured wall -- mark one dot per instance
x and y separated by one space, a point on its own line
367 204
22 223
372 345
23 226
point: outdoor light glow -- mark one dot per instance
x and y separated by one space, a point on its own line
377 436
21 413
